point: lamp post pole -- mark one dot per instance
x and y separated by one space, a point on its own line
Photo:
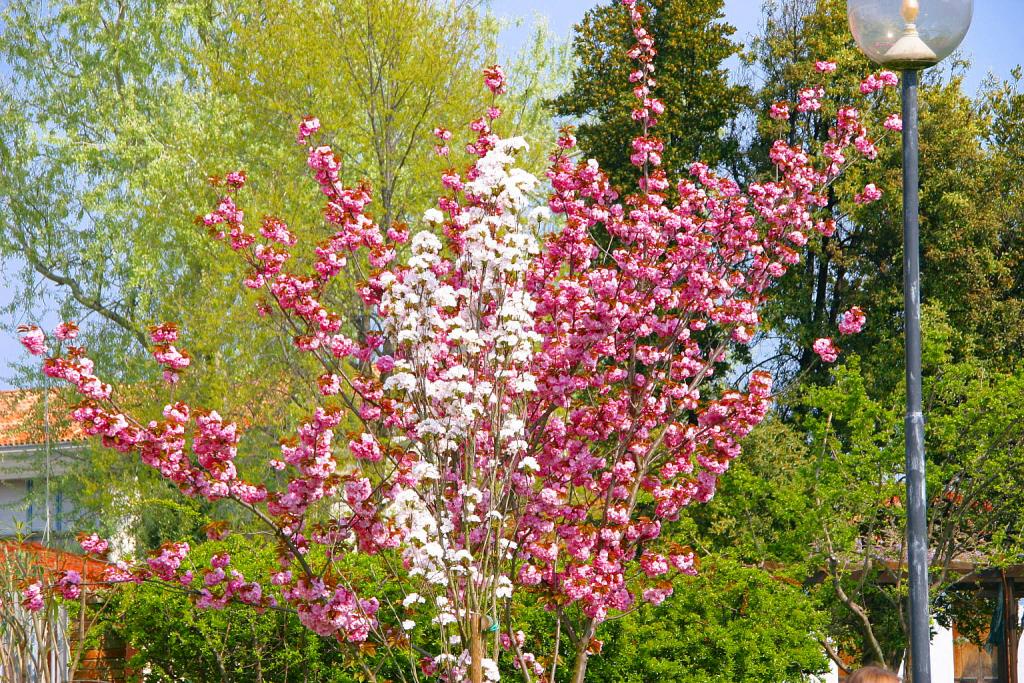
900 36
917 502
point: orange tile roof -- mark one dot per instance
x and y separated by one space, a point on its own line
21 419
53 559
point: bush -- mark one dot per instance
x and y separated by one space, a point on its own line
175 641
729 624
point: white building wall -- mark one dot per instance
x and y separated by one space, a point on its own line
1020 655
21 474
12 505
942 654
833 674
943 667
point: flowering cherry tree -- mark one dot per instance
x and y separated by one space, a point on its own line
533 405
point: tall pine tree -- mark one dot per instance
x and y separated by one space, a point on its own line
694 43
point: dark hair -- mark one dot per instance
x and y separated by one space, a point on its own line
873 674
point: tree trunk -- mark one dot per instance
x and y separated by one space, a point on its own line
476 649
579 670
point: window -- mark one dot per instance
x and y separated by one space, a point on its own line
28 496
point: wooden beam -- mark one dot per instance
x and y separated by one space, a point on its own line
1011 628
1007 655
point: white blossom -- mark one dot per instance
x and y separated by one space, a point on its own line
490 670
529 463
433 216
411 599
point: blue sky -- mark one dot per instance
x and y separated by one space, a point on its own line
993 45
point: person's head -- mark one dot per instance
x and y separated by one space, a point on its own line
873 674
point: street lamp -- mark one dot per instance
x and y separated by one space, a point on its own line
911 35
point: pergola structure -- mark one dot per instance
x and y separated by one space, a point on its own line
1005 585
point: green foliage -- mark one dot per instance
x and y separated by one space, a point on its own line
694 43
968 234
120 109
379 75
1002 105
839 443
177 642
819 497
729 624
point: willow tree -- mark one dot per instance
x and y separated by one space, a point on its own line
105 131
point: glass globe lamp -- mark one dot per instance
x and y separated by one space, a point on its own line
909 34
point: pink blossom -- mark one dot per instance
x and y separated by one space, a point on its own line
276 230
366 448
168 559
868 195
32 597
870 84
894 122
653 564
852 321
505 398
329 384
212 578
826 227
94 545
494 79
810 99
779 111
827 350
171 357
121 572
357 491
874 83
566 138
529 575
165 333
797 237
235 180
657 595
398 236
825 67
33 339
866 147
69 584
66 331
307 128
684 563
